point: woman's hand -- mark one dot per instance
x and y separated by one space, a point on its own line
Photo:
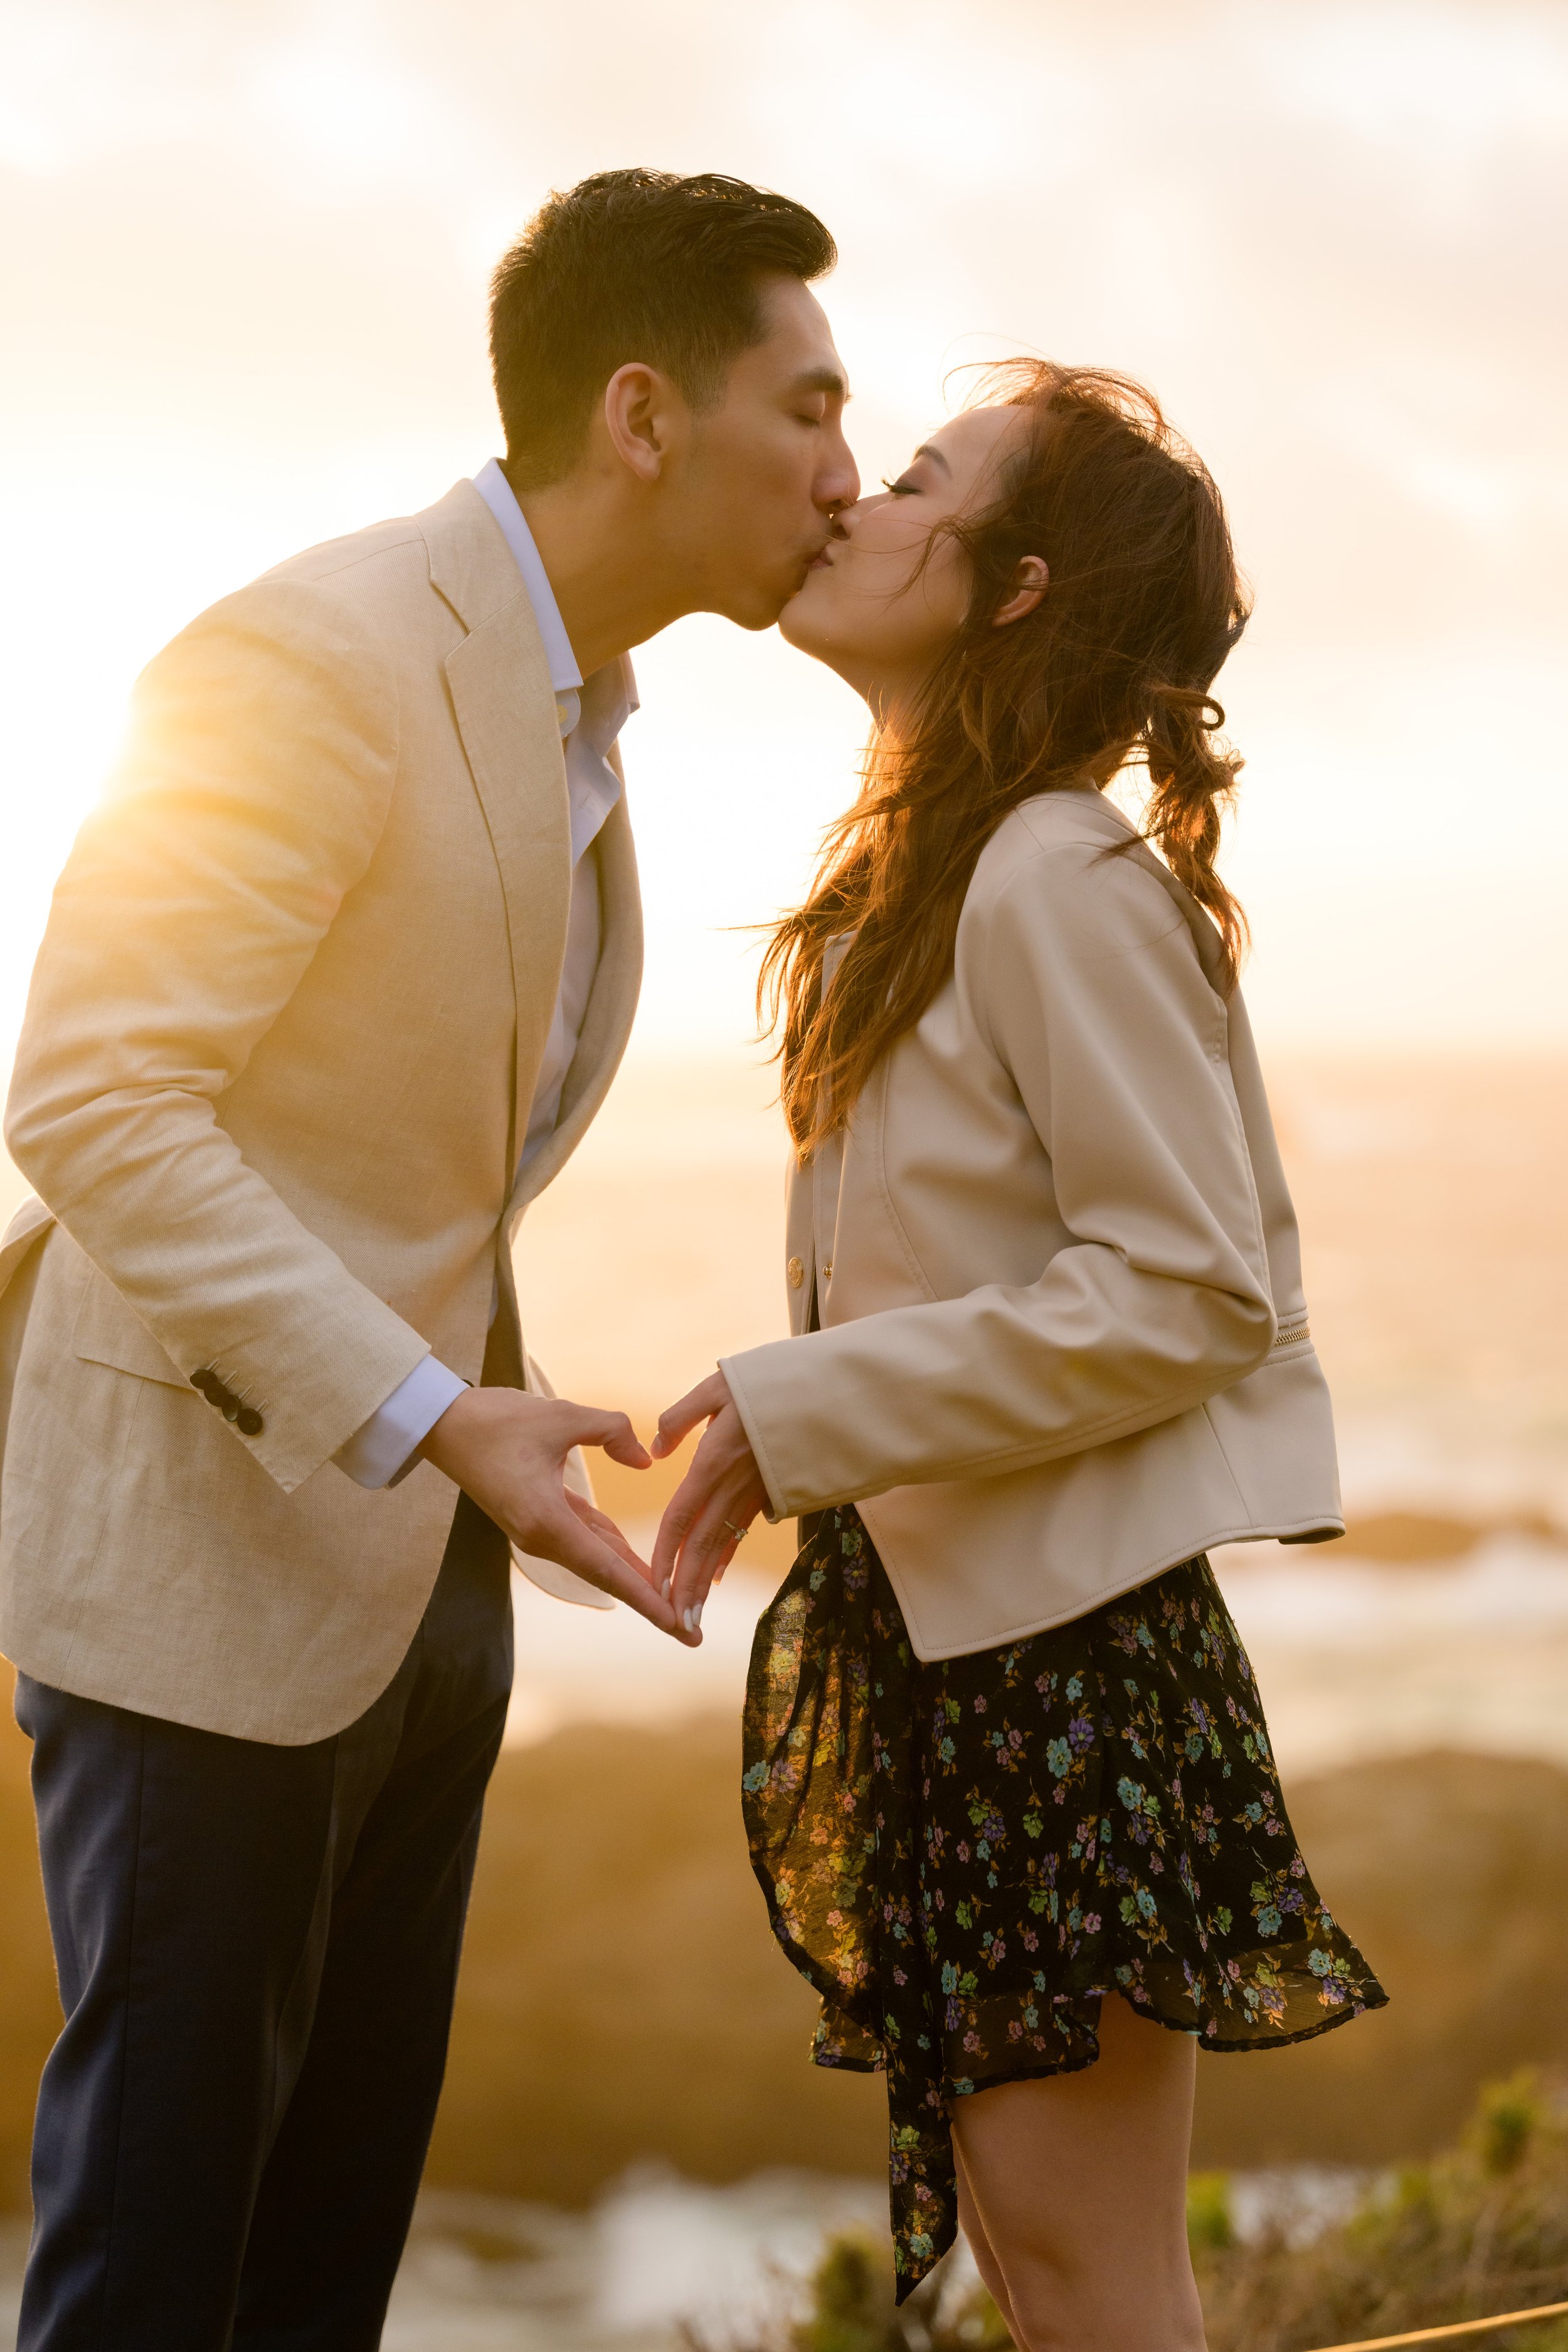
714 1504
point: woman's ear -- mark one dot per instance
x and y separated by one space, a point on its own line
1032 578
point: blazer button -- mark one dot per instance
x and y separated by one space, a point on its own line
827 1271
796 1272
205 1381
249 1421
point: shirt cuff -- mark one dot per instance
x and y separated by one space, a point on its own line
381 1452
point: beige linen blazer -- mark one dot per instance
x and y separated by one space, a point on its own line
1064 1341
281 1041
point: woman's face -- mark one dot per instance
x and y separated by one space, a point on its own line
871 607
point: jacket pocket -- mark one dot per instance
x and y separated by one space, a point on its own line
108 1331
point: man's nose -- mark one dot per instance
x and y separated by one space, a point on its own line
838 485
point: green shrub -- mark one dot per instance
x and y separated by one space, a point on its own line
851 2309
1210 2222
1482 2229
1508 2117
852 2305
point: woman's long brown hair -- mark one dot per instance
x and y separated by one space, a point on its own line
1114 666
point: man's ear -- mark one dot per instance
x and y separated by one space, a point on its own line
638 414
1032 577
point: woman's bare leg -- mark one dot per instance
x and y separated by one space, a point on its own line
1078 2185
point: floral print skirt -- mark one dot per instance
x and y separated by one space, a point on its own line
963 1858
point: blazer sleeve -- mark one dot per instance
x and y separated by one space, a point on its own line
1086 984
262 758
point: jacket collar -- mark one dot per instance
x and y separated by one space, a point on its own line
1102 818
1089 807
471 563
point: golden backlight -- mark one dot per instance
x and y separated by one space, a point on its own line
243 266
244 303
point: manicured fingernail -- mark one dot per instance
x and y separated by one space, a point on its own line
686 1619
697 1617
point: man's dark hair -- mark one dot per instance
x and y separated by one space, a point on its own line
634 265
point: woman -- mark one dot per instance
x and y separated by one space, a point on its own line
1008 1785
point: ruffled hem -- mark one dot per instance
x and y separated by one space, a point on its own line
1025 2049
965 1859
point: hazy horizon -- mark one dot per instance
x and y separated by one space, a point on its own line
246 294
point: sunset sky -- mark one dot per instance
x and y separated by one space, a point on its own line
244 278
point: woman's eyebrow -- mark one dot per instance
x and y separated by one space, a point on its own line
929 449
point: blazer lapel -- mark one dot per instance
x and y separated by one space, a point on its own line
607 1022
505 708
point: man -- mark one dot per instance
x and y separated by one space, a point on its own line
333 984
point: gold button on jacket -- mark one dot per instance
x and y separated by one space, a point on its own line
796 1272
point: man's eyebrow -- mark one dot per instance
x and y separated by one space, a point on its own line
822 379
929 449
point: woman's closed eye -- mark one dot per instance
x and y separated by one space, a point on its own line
902 488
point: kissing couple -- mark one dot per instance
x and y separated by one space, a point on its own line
334 982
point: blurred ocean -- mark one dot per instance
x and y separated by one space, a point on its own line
1430 1196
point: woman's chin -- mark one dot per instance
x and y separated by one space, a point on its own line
804 624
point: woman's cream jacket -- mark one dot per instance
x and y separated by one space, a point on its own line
1064 1342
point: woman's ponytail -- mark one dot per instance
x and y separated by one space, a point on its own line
1191 779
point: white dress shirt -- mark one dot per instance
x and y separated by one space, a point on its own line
591 718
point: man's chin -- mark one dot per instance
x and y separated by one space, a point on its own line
761 612
762 606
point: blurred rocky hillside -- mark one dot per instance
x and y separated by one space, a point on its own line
621 1997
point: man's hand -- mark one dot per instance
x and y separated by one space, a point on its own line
714 1504
508 1451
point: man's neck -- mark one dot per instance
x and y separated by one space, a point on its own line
613 592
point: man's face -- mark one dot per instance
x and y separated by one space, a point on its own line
764 473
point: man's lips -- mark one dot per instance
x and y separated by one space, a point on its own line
817 561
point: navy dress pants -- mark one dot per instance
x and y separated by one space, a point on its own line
258 1948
